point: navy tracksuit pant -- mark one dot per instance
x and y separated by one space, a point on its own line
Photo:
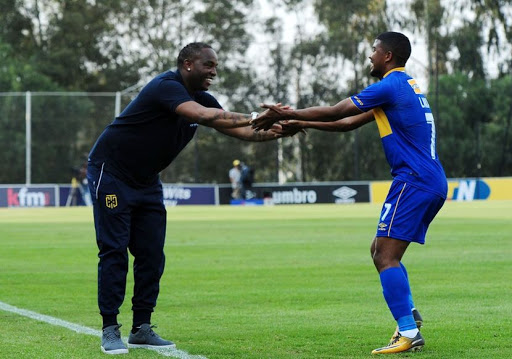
133 219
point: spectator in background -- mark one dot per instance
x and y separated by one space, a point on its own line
235 175
83 184
246 179
79 185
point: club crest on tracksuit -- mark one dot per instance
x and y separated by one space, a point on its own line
111 201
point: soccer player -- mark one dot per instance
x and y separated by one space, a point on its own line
418 191
123 175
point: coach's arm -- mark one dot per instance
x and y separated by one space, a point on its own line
214 117
249 134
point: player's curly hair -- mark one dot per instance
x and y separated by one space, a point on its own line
191 51
398 44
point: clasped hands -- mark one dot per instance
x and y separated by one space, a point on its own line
280 115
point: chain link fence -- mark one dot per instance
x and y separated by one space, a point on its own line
45 136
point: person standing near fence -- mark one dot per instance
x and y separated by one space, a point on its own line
123 176
246 180
234 177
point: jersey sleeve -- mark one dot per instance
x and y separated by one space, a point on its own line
171 94
207 100
373 96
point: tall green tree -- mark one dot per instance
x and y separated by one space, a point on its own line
80 45
474 136
55 46
223 25
338 59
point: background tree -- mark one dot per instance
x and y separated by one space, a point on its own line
79 45
222 24
341 50
462 97
54 47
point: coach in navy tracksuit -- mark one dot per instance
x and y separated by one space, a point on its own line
123 175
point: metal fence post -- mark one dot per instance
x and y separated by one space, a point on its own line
28 137
118 103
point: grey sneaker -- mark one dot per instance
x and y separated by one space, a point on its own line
111 342
147 338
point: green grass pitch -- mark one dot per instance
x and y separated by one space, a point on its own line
276 282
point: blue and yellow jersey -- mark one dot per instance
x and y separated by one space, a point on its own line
407 130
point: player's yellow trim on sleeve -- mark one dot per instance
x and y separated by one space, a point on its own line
359 102
382 122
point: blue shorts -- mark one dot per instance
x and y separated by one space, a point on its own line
407 212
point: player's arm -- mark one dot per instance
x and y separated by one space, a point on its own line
341 110
342 125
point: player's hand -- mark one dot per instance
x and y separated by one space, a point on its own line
291 127
271 115
288 128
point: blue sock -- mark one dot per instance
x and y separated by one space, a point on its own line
411 302
406 323
395 288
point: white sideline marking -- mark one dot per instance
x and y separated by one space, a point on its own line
168 352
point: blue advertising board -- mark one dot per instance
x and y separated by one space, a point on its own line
174 195
179 195
28 196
